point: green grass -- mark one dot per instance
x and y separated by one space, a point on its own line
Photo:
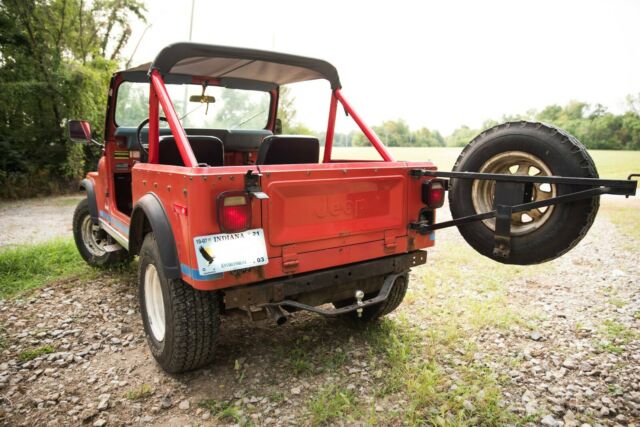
437 392
35 352
140 393
331 404
224 411
433 368
28 267
615 336
625 218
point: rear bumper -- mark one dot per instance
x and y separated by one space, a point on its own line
275 291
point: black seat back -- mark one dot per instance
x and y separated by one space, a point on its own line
288 149
207 149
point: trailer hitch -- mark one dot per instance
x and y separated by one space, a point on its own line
358 306
510 189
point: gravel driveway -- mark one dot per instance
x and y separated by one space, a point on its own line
36 220
573 360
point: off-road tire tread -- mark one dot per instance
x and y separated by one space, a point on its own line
577 150
196 320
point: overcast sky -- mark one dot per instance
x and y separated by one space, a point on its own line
436 64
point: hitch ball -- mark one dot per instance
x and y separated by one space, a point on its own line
359 297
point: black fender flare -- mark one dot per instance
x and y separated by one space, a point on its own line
149 215
87 185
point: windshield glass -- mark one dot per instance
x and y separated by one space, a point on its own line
232 109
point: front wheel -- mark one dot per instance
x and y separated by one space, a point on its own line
181 323
93 242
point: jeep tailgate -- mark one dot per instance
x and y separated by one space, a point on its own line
318 207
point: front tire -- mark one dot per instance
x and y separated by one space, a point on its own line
181 323
91 240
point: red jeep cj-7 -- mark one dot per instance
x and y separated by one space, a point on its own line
227 215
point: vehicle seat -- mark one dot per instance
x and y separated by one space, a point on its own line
207 149
288 149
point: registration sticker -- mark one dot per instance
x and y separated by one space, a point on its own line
217 253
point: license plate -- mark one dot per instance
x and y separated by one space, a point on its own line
218 253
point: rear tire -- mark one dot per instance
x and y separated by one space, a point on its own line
181 323
374 312
525 148
91 239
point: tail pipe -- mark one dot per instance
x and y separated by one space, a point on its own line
277 313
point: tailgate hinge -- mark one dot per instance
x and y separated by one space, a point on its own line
389 241
289 259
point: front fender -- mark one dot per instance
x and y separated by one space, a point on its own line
149 215
87 185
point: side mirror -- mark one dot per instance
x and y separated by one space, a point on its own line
79 131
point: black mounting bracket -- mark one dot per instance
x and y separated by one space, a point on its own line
511 195
252 185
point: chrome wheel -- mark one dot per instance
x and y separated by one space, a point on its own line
154 303
516 163
94 238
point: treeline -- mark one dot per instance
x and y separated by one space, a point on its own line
596 127
56 58
593 125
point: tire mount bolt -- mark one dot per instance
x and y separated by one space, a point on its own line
359 296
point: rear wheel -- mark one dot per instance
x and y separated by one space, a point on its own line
374 312
93 243
181 323
524 148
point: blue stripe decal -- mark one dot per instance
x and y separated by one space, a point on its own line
115 221
195 274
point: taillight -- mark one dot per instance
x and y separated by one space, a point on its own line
433 193
234 211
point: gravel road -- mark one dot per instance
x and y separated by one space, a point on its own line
36 220
575 363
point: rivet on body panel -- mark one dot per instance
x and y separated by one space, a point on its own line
184 191
155 185
169 188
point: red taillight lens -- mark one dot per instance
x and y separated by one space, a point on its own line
433 193
234 211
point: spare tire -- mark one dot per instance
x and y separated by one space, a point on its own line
525 148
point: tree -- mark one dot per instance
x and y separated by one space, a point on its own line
287 114
56 58
461 136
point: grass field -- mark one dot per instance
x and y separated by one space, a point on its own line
32 266
610 163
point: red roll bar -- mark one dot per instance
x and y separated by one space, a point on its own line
158 92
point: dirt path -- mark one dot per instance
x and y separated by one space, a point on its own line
36 220
558 342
